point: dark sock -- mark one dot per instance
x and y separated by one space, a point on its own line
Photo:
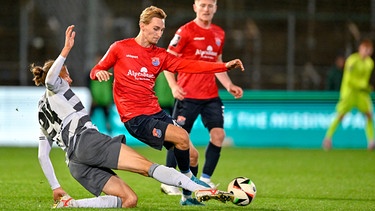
171 159
212 158
186 192
194 170
183 159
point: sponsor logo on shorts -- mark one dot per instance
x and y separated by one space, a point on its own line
156 132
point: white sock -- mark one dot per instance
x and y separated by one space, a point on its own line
189 174
107 201
206 180
171 176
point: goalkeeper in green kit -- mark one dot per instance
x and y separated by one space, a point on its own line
355 92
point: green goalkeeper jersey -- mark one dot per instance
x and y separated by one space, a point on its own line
357 73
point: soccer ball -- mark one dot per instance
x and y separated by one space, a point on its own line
243 189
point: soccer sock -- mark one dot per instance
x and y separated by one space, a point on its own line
171 176
194 170
171 159
332 128
107 201
212 158
183 160
369 130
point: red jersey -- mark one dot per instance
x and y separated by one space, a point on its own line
193 42
135 70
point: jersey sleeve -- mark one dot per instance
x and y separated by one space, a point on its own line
52 78
179 41
175 64
106 63
44 149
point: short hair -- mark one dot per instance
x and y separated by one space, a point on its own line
195 1
151 12
367 43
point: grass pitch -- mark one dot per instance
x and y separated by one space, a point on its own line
286 179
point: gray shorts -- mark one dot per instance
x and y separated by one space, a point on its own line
94 156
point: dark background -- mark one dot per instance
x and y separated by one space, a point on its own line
284 44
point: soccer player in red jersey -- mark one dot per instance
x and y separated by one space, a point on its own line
137 63
197 94
91 156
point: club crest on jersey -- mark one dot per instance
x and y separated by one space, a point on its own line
218 41
156 133
155 61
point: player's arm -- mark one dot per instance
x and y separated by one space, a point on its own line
44 149
175 64
100 70
224 79
54 71
177 91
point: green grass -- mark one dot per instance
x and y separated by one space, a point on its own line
286 179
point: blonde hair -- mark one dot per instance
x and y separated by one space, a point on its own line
40 73
151 12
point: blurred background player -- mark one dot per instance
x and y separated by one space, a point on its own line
197 94
355 92
334 74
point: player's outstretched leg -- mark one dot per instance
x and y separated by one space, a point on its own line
199 182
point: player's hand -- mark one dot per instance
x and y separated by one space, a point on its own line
178 92
69 37
103 75
69 41
236 91
58 193
236 63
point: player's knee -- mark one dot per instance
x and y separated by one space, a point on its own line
129 201
183 140
194 155
217 136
